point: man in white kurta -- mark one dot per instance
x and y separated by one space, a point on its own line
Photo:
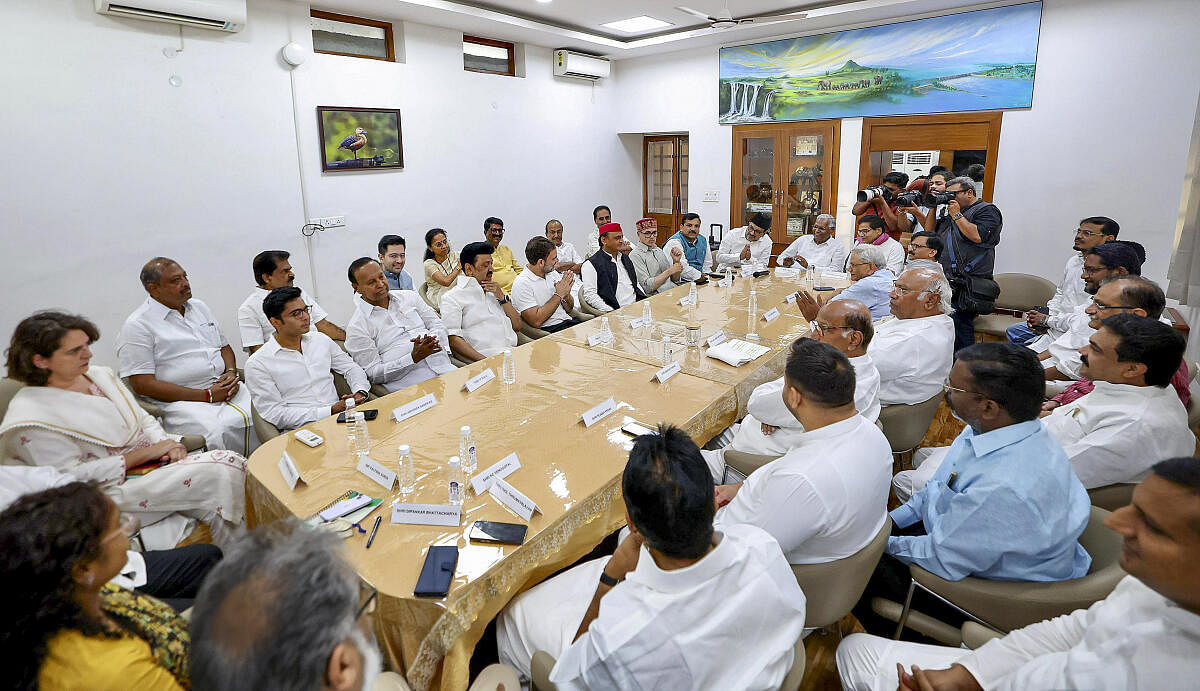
567 256
817 251
394 335
1069 293
690 608
914 351
272 270
175 355
1144 635
749 246
479 317
827 497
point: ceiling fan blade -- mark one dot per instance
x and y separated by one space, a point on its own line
695 13
771 19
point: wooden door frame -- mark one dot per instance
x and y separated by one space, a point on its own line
992 118
677 209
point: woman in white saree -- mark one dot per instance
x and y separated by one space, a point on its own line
83 421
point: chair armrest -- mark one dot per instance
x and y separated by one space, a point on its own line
379 390
151 408
975 635
533 332
193 442
539 671
580 315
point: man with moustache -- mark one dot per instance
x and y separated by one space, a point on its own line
479 318
273 270
568 256
601 216
871 231
816 251
694 247
914 351
505 267
609 277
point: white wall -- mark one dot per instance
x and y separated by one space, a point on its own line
109 164
1112 113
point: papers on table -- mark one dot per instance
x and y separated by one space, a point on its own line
737 352
786 272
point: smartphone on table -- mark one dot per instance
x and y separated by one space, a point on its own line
500 533
368 415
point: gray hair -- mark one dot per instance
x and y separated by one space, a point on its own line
826 217
271 612
963 180
937 283
152 271
871 254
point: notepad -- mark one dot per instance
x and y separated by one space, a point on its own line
737 352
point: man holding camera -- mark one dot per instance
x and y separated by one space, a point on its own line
970 232
881 201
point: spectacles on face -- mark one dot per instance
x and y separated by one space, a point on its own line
1087 233
129 526
295 314
817 326
946 388
905 291
1092 270
1100 306
367 594
913 247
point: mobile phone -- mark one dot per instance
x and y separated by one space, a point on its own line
502 533
700 281
437 572
760 274
369 414
819 288
636 429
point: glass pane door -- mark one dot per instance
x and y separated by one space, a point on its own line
683 175
660 177
758 177
805 170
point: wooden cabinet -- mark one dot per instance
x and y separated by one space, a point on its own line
787 170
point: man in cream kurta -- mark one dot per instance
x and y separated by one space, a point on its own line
914 351
749 245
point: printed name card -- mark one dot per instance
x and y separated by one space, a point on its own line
345 508
427 514
640 322
375 470
600 412
479 380
501 469
667 372
686 301
716 339
418 406
791 298
726 282
596 339
771 314
291 474
747 270
508 495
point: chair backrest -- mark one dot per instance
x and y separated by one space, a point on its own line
1110 498
423 291
795 675
832 588
905 425
1023 291
746 463
262 428
8 388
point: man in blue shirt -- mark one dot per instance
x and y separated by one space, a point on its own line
392 256
872 284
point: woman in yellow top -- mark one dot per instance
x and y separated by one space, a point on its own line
69 628
441 266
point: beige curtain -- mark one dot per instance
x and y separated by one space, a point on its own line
1183 278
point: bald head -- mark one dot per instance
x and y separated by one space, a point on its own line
152 271
167 282
922 292
845 325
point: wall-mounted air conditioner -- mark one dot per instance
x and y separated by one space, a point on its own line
579 66
220 15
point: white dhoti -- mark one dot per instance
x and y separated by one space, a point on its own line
925 463
868 663
226 425
546 616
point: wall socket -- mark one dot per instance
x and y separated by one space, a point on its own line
712 196
329 221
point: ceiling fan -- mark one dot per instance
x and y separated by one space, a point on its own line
725 20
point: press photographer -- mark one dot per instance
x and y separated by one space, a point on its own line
970 231
881 201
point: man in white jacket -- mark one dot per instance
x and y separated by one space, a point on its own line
1144 635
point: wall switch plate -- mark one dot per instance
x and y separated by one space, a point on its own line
712 196
328 221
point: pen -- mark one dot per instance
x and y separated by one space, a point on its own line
374 529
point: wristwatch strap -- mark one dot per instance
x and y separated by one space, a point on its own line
608 580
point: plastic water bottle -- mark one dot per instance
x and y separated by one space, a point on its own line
508 368
361 436
666 351
454 482
351 428
466 450
646 314
606 329
752 317
693 298
406 475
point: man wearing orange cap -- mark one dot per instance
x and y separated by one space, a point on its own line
609 279
655 273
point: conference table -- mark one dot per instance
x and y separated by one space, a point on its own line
570 470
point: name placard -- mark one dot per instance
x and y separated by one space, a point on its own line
501 469
427 514
291 474
686 301
597 338
418 406
667 372
599 412
747 270
508 495
716 339
726 282
375 470
640 322
479 380
791 298
771 314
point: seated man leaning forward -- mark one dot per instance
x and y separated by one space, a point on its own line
478 316
914 351
827 497
872 284
291 376
769 427
678 606
174 354
609 279
541 294
394 335
273 270
1142 636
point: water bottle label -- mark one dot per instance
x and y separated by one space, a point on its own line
472 460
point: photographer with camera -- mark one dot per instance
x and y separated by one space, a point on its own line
970 232
926 205
881 201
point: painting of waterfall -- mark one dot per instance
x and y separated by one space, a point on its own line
981 60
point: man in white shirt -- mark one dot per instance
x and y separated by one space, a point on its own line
827 497
173 352
1069 294
601 216
479 318
609 279
542 295
816 251
749 245
569 258
1144 635
678 606
394 335
694 247
769 428
871 232
290 375
914 351
273 270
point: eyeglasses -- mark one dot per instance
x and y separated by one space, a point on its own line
367 593
295 314
1087 233
1102 306
1094 270
906 291
946 388
818 326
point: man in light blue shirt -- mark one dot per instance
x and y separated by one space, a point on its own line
872 280
391 256
1005 504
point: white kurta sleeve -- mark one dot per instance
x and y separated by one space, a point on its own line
1035 653
249 328
774 509
792 251
432 322
269 401
838 259
766 405
362 347
135 350
355 376
42 447
895 257
590 296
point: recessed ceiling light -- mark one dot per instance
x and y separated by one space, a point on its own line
543 1
635 25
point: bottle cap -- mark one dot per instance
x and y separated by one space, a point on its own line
404 449
508 351
453 461
465 429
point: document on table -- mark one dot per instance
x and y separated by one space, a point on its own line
737 352
786 272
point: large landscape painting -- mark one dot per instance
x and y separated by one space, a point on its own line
982 60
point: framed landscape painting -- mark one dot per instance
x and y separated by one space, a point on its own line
981 60
359 138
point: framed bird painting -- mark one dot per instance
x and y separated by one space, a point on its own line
359 138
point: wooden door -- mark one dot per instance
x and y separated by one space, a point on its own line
958 138
664 176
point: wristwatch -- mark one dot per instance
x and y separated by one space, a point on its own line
955 217
504 301
608 580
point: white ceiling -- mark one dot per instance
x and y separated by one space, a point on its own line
576 24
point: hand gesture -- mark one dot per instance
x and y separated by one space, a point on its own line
745 253
563 287
493 288
807 304
676 255
224 389
723 494
788 261
424 346
625 559
676 269
768 430
1035 319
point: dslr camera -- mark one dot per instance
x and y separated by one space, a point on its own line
935 198
911 198
873 192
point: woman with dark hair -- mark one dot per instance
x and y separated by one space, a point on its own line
441 266
68 627
82 420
